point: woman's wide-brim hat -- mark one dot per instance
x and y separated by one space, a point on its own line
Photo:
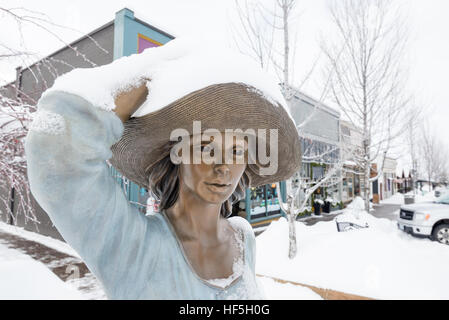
219 106
190 81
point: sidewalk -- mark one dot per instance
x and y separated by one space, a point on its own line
311 220
326 294
382 210
386 210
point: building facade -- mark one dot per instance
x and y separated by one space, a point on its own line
122 36
126 35
353 181
384 186
319 129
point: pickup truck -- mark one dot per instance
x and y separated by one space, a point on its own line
427 219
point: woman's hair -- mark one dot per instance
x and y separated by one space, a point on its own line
163 179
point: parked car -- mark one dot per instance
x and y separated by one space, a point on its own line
427 219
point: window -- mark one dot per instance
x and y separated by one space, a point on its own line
317 172
345 131
350 193
264 201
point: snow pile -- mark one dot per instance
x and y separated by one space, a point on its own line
397 198
355 213
175 69
27 280
331 200
379 262
420 196
23 278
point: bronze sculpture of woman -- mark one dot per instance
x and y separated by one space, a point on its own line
191 249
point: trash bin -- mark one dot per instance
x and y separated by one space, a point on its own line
409 199
327 207
317 208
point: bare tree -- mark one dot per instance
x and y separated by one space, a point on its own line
413 120
17 107
14 120
257 37
367 81
266 35
434 156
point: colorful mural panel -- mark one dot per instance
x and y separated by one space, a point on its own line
145 42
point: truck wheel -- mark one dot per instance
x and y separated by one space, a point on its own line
441 234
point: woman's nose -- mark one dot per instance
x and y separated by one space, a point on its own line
222 169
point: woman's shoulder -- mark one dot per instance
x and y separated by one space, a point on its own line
242 225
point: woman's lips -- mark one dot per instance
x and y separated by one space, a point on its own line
217 187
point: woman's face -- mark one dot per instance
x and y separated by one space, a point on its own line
215 180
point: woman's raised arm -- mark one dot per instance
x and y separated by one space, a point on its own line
127 102
66 148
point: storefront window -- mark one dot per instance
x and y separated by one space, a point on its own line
257 200
272 198
264 200
318 172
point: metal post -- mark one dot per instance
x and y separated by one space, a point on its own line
248 204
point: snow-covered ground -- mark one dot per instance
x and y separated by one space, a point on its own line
285 291
21 277
397 198
420 196
379 261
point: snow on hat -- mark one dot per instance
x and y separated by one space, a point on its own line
189 82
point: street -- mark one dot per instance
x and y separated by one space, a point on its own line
387 211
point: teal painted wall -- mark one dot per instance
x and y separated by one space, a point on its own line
126 30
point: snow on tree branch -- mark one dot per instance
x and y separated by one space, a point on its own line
368 84
17 106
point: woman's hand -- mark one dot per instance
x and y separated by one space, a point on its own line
127 102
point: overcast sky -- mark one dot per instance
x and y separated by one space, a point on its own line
427 55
